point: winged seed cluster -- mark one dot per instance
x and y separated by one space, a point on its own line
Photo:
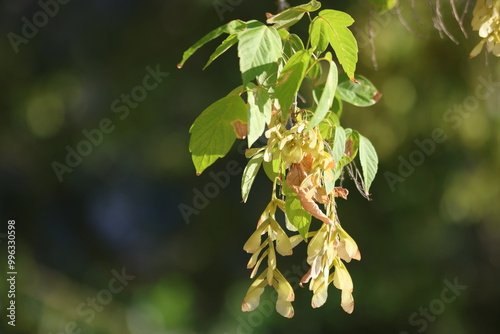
306 151
308 168
486 20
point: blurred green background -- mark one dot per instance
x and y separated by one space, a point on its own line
117 211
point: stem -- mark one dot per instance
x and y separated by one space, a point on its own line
273 197
308 36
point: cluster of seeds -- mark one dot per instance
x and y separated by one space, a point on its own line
486 20
305 169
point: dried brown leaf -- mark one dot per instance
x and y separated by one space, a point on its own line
240 128
321 196
349 144
340 192
294 178
307 163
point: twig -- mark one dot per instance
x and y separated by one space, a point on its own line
467 4
371 38
435 20
440 20
403 21
354 175
414 12
457 18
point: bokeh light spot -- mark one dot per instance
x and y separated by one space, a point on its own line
45 115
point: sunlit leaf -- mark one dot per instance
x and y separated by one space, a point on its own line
232 27
269 77
295 213
283 34
249 174
291 44
338 144
225 45
292 15
338 150
215 130
330 27
259 112
369 161
327 96
319 34
290 79
361 94
259 46
271 168
327 126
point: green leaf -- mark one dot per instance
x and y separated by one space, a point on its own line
283 34
258 48
369 161
290 79
295 213
319 35
315 73
338 144
259 112
237 91
328 125
292 15
250 152
291 45
330 26
329 179
361 94
232 27
249 174
326 99
351 146
272 168
269 77
215 130
225 45
337 105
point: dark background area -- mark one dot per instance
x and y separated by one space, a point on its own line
118 209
